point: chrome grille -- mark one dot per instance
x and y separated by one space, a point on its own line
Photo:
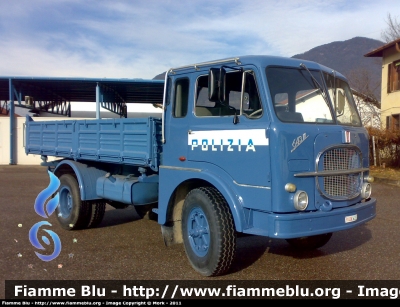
346 185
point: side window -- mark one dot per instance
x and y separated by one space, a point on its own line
343 102
251 100
234 81
203 106
181 97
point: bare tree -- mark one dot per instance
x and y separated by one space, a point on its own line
363 92
392 32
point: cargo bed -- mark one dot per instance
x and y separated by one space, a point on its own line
133 141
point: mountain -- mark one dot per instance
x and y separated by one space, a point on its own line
347 57
160 76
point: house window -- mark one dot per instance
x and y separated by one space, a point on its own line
393 122
394 77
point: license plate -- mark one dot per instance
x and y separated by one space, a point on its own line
350 218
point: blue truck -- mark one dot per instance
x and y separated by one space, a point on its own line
254 145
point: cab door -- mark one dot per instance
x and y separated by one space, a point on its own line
238 146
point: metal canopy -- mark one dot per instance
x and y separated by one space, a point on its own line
51 94
54 95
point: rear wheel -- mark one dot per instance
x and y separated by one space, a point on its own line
72 212
97 213
310 243
208 231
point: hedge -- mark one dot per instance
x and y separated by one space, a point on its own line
387 146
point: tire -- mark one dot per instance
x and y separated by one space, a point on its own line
208 232
310 243
96 214
72 212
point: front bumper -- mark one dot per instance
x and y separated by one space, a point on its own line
303 224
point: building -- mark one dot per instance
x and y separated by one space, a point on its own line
390 88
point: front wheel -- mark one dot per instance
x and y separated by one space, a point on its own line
208 231
311 242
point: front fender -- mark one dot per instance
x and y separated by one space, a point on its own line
172 177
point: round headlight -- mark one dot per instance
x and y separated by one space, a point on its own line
366 190
300 200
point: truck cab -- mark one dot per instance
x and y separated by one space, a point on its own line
278 139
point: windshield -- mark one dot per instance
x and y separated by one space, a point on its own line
342 98
297 95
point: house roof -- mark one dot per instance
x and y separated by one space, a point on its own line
379 51
367 98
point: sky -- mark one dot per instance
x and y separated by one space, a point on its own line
143 38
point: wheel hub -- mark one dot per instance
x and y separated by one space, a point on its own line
199 234
66 202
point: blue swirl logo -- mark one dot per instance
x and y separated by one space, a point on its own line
45 210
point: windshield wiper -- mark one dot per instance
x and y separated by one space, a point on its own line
319 86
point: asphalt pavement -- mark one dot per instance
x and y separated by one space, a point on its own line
124 247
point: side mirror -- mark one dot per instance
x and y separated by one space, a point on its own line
341 100
216 84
